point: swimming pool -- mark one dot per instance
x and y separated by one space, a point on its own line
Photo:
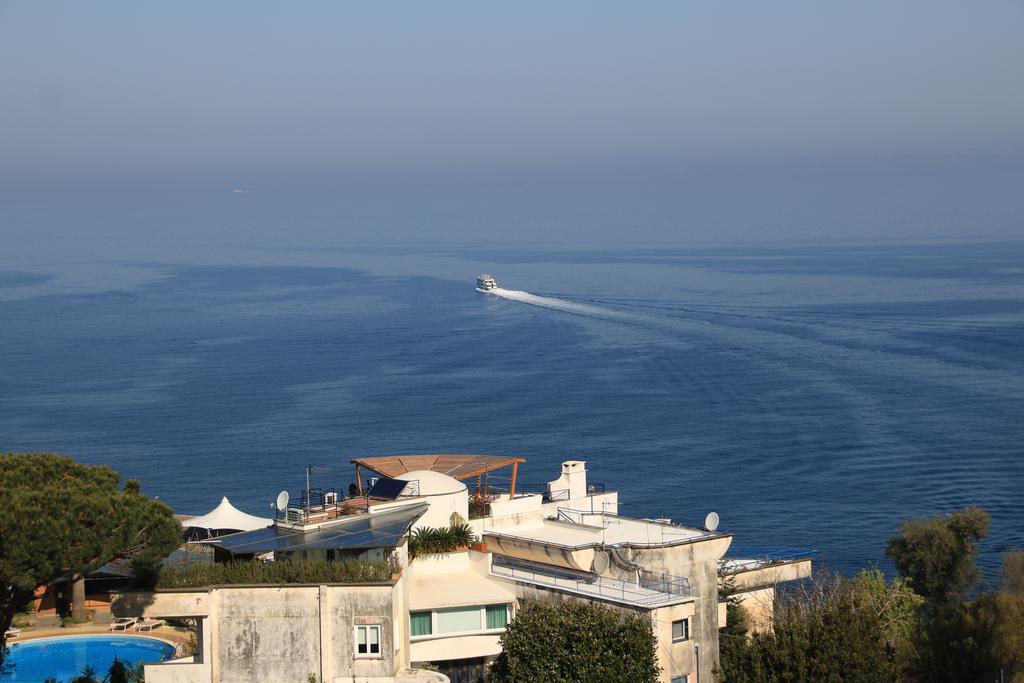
64 657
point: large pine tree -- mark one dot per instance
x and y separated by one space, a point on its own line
59 518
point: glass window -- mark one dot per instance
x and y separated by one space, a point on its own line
368 641
680 630
681 679
420 623
458 619
497 616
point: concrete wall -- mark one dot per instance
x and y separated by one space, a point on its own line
698 561
457 647
171 672
759 606
769 575
280 633
675 659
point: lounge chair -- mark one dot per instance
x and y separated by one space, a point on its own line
148 624
122 623
12 633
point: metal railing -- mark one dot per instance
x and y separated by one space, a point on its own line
762 555
497 486
326 503
665 583
586 583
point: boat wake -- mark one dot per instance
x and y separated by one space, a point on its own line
556 304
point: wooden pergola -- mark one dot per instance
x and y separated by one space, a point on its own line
457 466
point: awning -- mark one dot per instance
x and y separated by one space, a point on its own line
226 516
370 530
456 466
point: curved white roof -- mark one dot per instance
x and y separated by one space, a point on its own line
227 516
433 483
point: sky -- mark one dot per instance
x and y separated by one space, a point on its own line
580 94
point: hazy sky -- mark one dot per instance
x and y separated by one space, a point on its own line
127 87
262 94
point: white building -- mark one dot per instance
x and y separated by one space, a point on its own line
564 542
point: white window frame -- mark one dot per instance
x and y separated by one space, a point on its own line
380 641
685 620
435 633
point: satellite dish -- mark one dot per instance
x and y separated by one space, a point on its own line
711 521
282 500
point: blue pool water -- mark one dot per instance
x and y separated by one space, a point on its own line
64 658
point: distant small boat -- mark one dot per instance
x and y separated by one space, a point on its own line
485 283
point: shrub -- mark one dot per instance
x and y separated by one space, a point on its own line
256 572
428 540
576 641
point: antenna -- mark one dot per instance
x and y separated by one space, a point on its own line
309 470
711 521
282 500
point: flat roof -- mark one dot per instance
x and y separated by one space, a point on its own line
373 530
457 466
589 529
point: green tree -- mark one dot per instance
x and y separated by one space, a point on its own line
832 629
957 639
1010 603
59 518
938 555
118 672
576 641
732 639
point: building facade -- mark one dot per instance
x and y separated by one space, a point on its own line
567 541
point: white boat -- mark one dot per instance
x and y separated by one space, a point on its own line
485 283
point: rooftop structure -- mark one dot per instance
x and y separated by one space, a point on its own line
565 540
225 518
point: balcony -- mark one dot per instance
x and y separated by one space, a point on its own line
654 590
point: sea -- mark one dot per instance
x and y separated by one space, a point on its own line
812 395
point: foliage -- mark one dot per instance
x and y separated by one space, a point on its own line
61 518
958 644
428 540
118 672
88 675
576 641
830 629
938 555
1010 606
957 639
732 639
283 571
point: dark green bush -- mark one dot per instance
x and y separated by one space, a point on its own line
256 572
576 641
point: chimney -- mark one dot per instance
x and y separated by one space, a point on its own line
572 483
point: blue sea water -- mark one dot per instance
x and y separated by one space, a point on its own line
812 396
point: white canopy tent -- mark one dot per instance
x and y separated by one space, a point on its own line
223 519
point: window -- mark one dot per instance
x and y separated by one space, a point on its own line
458 619
421 623
681 679
497 616
368 641
680 630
